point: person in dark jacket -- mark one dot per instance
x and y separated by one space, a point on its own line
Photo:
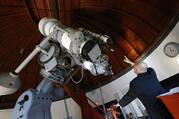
146 88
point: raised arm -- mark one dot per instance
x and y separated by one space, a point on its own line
128 61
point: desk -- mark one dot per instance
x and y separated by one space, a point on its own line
172 104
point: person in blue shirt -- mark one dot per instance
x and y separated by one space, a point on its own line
146 87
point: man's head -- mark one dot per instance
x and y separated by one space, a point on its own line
140 67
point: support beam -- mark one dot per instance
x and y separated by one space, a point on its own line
6 105
55 8
32 17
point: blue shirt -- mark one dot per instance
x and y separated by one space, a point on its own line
146 87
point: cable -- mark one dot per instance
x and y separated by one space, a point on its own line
77 82
95 69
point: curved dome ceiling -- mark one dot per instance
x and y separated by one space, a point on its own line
135 26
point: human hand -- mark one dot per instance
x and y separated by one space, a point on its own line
128 61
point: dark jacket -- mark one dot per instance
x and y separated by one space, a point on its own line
146 87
